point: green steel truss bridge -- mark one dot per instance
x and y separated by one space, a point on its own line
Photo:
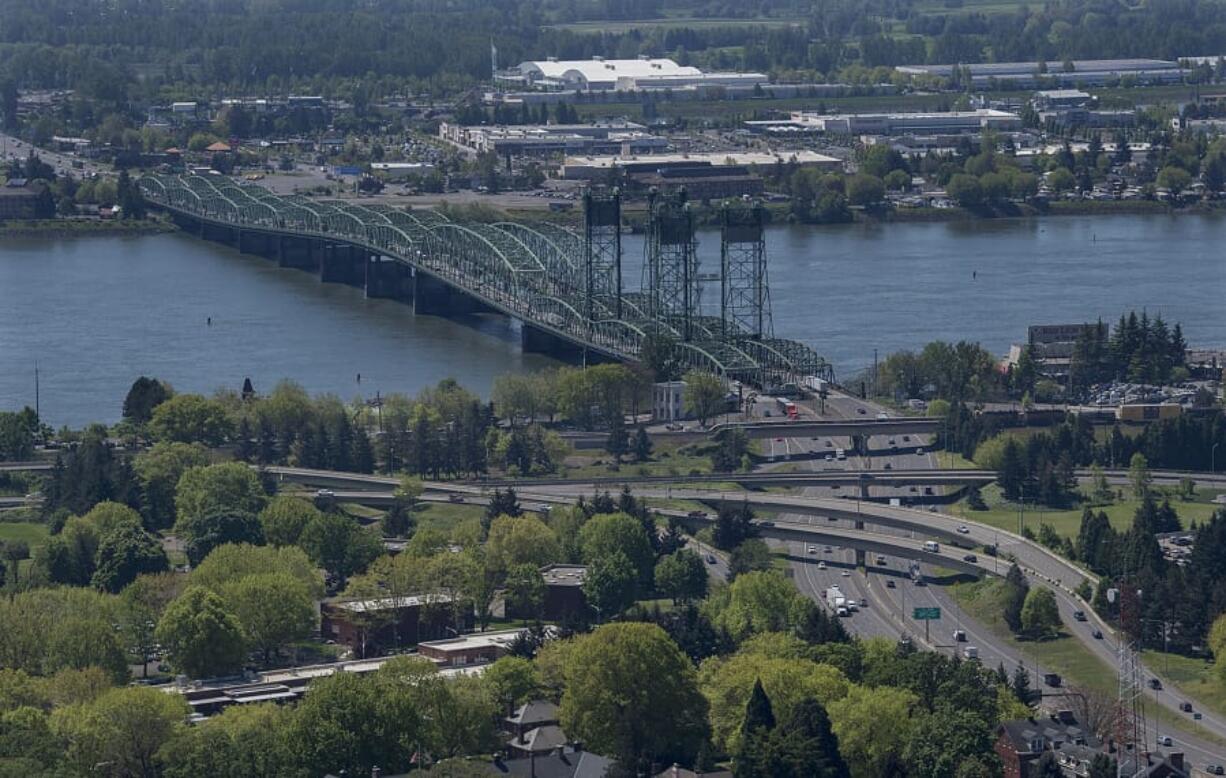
564 286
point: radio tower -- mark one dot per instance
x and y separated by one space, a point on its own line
1130 734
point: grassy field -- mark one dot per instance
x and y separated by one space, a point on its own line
35 534
1071 659
667 458
688 22
445 515
1066 655
1197 677
1067 522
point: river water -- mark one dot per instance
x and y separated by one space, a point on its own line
95 313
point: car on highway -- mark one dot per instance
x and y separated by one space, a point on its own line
1185 706
830 457
1155 684
845 574
888 466
959 636
905 641
1215 769
697 514
861 411
828 549
829 444
1097 634
863 602
919 452
906 438
455 498
970 558
883 416
325 494
710 559
1079 615
1165 740
892 443
811 549
821 565
890 584
842 612
970 652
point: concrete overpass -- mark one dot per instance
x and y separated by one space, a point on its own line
949 556
862 478
843 428
26 467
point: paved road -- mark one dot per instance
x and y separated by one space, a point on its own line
12 147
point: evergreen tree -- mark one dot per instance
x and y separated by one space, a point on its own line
244 449
752 754
618 442
805 746
1016 589
642 444
1020 685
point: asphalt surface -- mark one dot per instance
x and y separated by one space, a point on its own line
14 148
889 610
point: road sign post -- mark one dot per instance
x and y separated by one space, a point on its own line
926 615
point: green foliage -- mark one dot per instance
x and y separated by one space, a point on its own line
604 535
284 518
159 469
17 431
753 554
229 563
273 609
190 418
682 576
124 553
145 395
124 729
339 544
253 736
631 693
202 637
218 504
611 584
519 541
1040 614
703 396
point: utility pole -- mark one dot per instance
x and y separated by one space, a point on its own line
38 406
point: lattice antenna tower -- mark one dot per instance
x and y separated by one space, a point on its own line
602 250
1130 735
671 266
745 308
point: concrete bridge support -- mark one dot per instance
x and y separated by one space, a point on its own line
861 556
260 243
342 264
859 445
536 340
434 297
386 278
296 253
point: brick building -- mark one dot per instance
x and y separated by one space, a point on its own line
367 625
22 199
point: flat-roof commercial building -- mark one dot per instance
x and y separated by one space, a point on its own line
22 199
386 621
908 123
1086 72
588 167
471 649
599 74
548 139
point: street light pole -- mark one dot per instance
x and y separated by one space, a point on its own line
1213 458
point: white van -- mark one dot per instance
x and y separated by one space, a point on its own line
932 546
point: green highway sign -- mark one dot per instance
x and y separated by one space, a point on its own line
926 614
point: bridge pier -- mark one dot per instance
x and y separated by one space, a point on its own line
434 297
539 341
388 279
342 264
296 253
859 445
259 243
861 557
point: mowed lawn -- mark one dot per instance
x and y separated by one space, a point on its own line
1067 522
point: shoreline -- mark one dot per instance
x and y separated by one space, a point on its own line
80 228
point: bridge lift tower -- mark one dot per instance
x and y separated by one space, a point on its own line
745 309
602 250
671 268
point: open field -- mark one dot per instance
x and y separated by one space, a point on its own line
35 534
687 22
1067 522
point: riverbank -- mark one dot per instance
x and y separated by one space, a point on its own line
634 215
82 228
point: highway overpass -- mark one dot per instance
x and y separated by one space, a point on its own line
950 557
930 477
843 428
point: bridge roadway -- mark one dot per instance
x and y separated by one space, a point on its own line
567 297
853 428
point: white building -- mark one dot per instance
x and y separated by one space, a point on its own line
586 167
909 123
668 401
600 74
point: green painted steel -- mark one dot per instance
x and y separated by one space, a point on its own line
533 272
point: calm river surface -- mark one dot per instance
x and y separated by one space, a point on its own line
97 312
